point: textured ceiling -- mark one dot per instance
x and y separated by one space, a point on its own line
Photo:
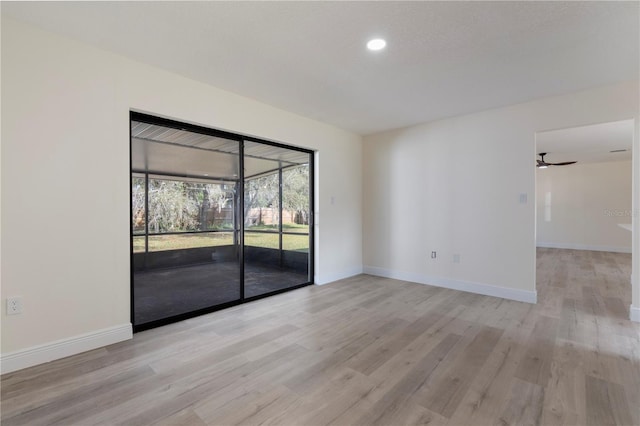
588 144
442 58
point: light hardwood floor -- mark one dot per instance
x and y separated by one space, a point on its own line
367 351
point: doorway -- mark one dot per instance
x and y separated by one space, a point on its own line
583 219
217 219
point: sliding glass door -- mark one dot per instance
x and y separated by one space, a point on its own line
277 211
215 220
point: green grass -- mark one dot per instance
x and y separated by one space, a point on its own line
177 242
286 227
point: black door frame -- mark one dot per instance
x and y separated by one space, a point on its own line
160 121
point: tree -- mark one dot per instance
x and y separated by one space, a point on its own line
137 204
295 192
215 197
260 193
171 208
177 205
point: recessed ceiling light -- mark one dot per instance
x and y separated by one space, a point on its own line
376 44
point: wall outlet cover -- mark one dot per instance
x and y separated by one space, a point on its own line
14 305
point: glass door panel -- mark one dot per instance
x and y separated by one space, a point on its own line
276 218
186 254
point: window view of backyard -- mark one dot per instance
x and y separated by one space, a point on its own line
188 214
182 206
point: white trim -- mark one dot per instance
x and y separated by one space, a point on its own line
329 278
63 348
471 287
572 246
634 313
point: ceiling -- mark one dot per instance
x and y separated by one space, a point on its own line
442 58
588 144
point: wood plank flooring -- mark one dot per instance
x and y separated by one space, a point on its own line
366 351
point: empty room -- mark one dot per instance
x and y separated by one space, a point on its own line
313 213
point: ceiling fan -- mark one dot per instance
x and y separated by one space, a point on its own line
543 164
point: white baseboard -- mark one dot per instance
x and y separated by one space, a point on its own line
329 278
63 348
471 287
634 313
571 246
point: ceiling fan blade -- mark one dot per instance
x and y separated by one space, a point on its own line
566 163
542 163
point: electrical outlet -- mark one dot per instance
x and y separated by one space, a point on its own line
14 305
433 255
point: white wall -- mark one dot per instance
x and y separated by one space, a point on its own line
65 142
454 186
580 206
